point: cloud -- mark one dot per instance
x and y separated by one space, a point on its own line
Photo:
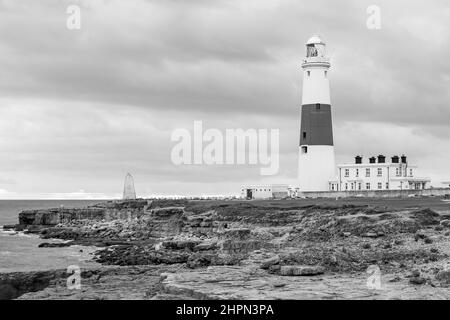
81 108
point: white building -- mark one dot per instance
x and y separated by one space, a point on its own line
377 174
264 191
316 164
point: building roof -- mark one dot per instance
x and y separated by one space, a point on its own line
315 39
376 164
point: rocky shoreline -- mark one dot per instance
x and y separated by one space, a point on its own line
290 249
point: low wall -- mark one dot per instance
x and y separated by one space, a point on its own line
375 193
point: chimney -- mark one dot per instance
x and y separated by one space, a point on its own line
358 159
395 159
372 160
381 159
404 159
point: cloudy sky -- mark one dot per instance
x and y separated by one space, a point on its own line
81 108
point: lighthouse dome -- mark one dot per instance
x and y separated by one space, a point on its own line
315 40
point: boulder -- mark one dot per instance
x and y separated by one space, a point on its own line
425 217
417 280
237 234
274 268
444 277
370 235
415 273
420 235
445 223
346 234
233 247
168 212
180 244
301 270
198 260
54 245
204 246
266 264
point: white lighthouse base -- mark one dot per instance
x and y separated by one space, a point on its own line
316 167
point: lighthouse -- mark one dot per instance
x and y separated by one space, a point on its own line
316 165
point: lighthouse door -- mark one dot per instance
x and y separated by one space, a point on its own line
249 194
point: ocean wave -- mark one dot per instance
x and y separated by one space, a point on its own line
8 231
18 234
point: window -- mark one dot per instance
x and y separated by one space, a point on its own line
304 149
347 172
304 135
359 186
380 185
367 186
368 172
380 172
357 172
387 185
326 74
410 172
351 186
309 73
346 186
397 171
332 187
317 106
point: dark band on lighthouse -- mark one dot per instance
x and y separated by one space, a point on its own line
316 125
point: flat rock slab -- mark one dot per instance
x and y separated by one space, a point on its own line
370 235
301 270
237 282
266 264
109 283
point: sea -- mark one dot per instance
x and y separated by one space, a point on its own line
19 251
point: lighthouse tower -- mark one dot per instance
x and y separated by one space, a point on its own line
316 165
